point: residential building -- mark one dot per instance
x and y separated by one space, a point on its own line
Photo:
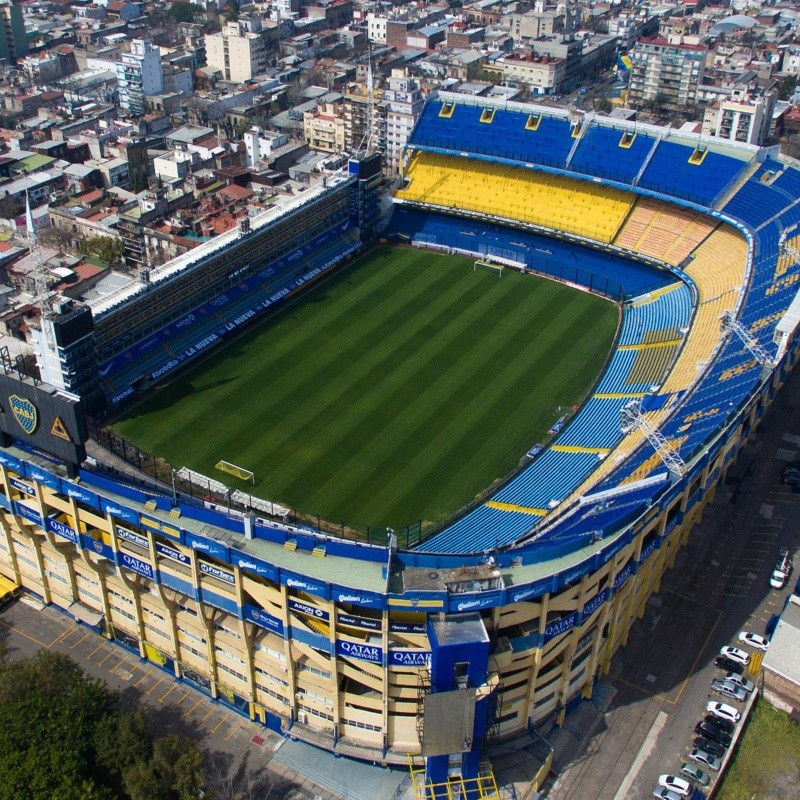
376 28
667 73
741 118
544 20
13 41
239 50
364 120
543 74
139 75
324 128
261 144
403 103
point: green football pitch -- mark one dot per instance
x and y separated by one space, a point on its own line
397 390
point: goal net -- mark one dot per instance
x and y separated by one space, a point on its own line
498 268
240 472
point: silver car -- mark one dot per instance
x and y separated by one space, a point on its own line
729 690
739 681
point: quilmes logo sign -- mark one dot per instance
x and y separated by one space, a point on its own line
25 413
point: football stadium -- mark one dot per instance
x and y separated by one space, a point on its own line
504 616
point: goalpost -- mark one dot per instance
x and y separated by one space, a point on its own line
488 265
240 472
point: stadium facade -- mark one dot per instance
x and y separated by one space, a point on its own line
509 614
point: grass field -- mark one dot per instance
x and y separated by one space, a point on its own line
395 391
767 762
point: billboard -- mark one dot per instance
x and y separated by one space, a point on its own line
43 418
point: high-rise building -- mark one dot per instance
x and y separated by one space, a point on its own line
13 42
666 73
139 75
403 102
239 50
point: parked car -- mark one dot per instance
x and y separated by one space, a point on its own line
783 567
728 664
694 773
735 654
665 794
754 640
709 745
704 758
738 680
713 733
720 722
791 474
729 690
675 784
723 710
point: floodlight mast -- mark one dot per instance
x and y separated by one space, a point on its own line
731 325
43 294
631 417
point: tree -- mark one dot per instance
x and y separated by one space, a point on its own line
10 207
232 11
63 736
173 772
185 12
786 87
104 247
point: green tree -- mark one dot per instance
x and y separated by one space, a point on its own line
232 11
786 87
104 247
173 772
64 737
185 12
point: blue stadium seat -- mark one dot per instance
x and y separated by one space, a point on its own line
670 172
755 203
505 137
599 153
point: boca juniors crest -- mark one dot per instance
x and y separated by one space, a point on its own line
25 413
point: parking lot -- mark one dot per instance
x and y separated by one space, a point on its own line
235 746
719 587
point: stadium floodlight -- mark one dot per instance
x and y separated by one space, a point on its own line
633 418
730 325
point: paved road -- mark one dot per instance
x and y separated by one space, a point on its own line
719 586
238 751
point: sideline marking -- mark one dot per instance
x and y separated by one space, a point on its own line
647 747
